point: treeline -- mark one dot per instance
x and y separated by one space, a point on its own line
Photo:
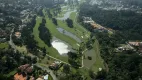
74 59
133 2
128 22
44 33
120 66
48 3
27 36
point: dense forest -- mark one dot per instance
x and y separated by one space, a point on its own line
128 22
127 25
121 66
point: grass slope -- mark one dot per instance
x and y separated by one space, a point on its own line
52 52
78 30
57 34
3 45
97 61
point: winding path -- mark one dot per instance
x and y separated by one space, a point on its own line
11 41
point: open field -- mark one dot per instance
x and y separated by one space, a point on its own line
97 61
22 49
3 45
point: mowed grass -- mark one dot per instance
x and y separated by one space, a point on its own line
22 49
4 45
57 34
52 52
77 30
63 11
96 62
79 27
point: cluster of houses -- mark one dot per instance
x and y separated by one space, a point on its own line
131 46
14 14
137 45
24 71
28 72
95 26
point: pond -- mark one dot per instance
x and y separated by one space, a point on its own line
62 47
63 31
66 15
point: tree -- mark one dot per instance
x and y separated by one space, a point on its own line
74 59
44 33
54 21
66 69
69 23
49 14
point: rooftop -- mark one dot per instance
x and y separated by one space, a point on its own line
20 76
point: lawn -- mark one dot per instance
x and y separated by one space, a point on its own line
63 11
22 49
3 45
52 52
57 34
97 61
78 30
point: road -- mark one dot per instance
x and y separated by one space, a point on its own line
58 59
48 70
11 41
83 58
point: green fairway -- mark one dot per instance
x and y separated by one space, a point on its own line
52 52
63 11
78 30
3 45
97 61
57 34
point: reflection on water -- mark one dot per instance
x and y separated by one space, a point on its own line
61 30
62 47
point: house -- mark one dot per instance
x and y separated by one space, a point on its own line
32 78
87 20
126 47
137 44
46 77
26 68
134 43
20 76
39 78
55 65
18 34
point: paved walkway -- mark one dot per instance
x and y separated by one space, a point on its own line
58 59
11 41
